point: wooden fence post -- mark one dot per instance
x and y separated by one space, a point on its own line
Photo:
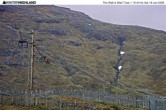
36 98
22 99
83 96
149 105
156 105
136 103
15 97
99 97
60 104
26 98
30 98
75 105
1 97
46 101
12 99
143 103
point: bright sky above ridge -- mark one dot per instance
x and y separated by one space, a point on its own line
151 16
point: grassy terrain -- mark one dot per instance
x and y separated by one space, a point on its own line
99 106
13 107
81 55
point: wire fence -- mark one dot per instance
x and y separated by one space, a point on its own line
38 98
45 99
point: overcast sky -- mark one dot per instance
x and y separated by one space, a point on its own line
141 15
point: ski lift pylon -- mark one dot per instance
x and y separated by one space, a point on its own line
22 42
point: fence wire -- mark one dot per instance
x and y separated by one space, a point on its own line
43 98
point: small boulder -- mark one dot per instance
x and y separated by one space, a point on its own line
74 43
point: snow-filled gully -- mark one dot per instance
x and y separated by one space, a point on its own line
119 64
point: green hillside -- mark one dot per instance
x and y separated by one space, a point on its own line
82 52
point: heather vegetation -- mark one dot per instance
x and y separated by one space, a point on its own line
82 52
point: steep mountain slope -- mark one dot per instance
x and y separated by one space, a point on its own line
83 52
